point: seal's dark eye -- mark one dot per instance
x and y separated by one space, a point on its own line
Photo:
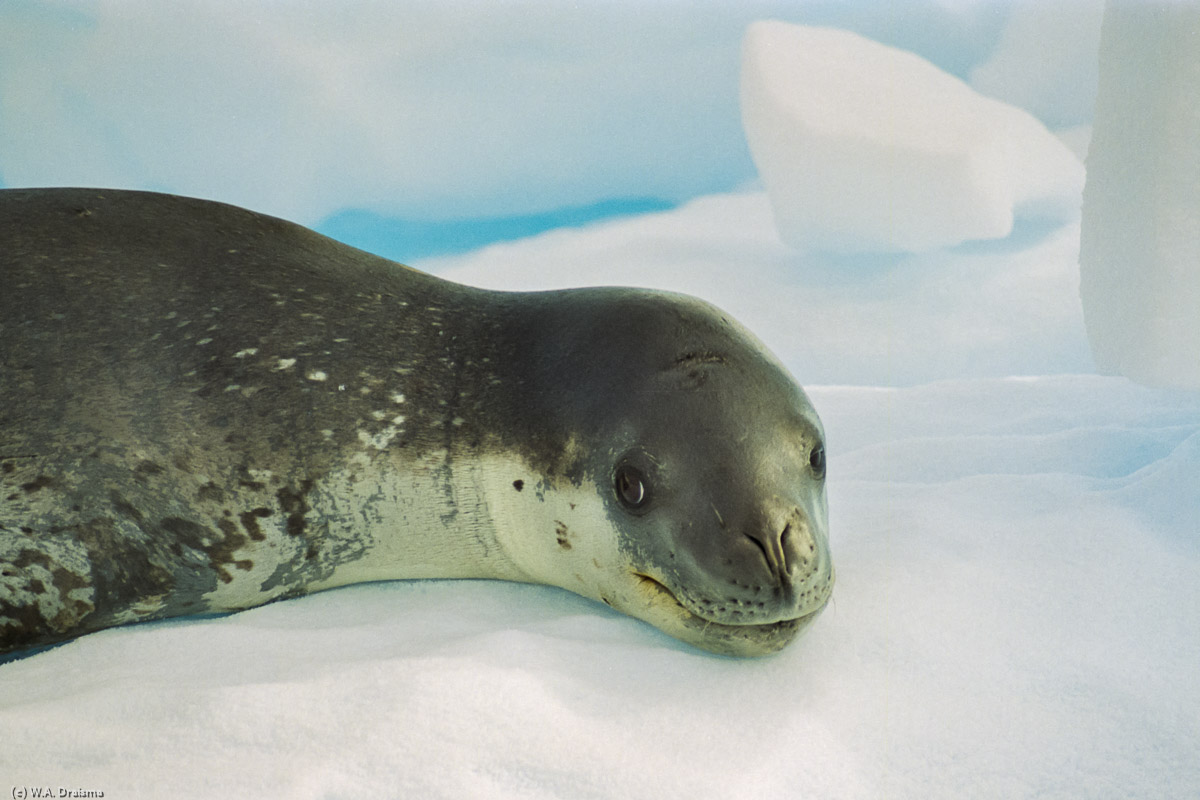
631 487
816 460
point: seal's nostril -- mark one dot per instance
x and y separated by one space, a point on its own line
766 553
798 547
777 554
785 551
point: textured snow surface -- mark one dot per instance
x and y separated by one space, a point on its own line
864 147
1016 615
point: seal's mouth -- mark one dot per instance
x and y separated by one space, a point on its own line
722 637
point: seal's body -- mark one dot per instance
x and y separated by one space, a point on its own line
203 409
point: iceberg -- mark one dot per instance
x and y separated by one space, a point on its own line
866 148
1140 236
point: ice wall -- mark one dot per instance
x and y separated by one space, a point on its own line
1045 61
1140 242
867 148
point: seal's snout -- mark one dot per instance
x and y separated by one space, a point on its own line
791 555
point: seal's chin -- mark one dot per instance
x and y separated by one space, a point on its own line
666 613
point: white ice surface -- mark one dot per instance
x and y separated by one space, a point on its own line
1045 61
1140 258
864 147
1016 615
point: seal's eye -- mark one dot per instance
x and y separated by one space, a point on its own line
631 487
816 460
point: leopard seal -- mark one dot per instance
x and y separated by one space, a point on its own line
204 409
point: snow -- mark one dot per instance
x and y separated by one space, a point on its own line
864 147
1140 259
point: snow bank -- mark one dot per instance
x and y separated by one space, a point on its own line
1140 251
863 147
1016 615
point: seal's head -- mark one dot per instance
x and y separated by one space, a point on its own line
703 461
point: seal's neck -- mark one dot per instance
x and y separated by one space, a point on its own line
434 521
425 495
